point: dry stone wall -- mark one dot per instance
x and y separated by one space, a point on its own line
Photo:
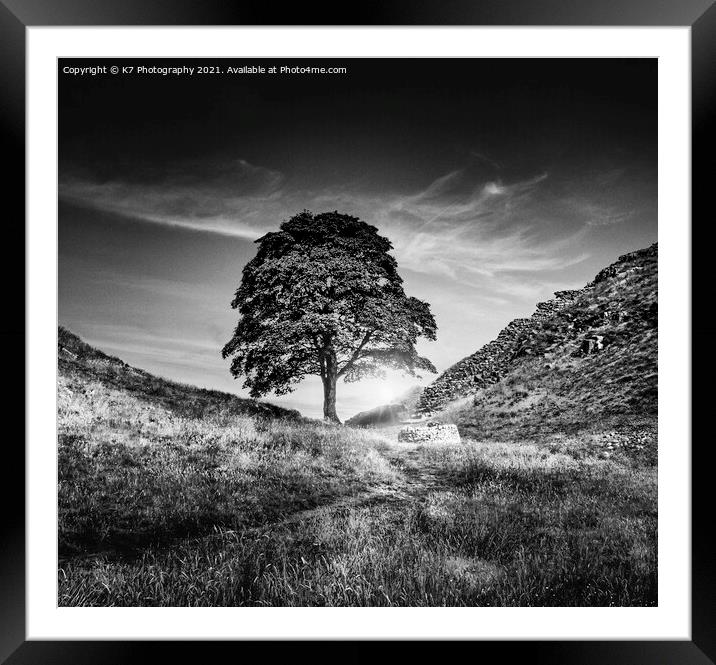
490 363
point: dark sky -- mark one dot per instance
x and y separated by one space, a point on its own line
498 182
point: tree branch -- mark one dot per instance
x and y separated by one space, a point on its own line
356 354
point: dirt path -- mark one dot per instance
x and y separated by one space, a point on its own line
415 478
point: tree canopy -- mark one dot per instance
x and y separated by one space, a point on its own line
323 297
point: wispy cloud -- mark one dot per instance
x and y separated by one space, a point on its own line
598 214
165 288
223 198
472 230
474 225
121 334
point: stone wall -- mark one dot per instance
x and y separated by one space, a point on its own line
618 267
489 364
429 433
494 360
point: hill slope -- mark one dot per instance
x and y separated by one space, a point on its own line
592 361
389 414
79 362
143 461
160 508
491 362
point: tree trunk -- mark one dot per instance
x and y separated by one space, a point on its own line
329 390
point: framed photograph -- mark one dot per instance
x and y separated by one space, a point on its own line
357 332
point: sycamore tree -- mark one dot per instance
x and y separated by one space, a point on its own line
323 297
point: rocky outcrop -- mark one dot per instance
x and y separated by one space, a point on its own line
492 361
619 268
592 344
591 366
430 432
617 306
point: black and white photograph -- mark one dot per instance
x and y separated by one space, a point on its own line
357 332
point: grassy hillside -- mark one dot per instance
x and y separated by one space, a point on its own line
591 366
158 506
143 460
78 362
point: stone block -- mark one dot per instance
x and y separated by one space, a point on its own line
430 432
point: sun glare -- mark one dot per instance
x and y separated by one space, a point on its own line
381 391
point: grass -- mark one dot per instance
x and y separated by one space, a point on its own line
233 506
132 474
536 401
554 386
483 523
80 363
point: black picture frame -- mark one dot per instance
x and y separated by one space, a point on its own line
17 15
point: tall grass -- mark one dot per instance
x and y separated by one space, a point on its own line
482 523
175 496
133 474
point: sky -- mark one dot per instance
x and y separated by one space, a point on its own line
497 182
